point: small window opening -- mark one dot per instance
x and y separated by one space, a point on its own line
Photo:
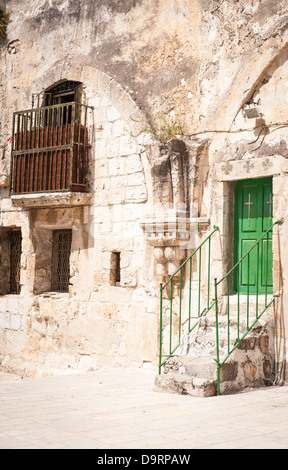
66 92
61 250
115 268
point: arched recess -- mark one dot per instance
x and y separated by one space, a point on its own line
251 71
248 94
108 86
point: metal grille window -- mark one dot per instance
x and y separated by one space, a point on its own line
61 249
15 260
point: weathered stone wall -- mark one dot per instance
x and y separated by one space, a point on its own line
199 62
199 59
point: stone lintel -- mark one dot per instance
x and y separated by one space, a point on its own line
233 170
57 199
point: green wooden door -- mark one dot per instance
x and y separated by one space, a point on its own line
253 217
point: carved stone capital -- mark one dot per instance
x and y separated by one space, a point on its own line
171 239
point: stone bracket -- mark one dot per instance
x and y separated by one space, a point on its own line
171 238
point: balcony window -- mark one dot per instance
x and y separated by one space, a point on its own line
50 144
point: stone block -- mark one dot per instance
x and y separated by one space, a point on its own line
6 204
264 344
150 340
136 179
125 312
267 370
113 114
136 194
3 304
128 278
118 182
106 259
122 349
15 342
127 145
101 148
93 312
4 320
102 170
249 371
46 307
15 322
228 371
247 344
118 128
88 363
102 114
62 306
4 180
117 196
119 295
133 164
12 305
113 147
114 167
104 130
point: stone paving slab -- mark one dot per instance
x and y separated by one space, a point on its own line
120 409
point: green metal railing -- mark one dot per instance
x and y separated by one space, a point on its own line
250 319
184 319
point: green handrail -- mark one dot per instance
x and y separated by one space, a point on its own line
170 283
236 268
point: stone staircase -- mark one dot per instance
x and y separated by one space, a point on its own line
193 371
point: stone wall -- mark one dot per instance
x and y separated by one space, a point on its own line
199 63
98 322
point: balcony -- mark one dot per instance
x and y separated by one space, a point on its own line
49 152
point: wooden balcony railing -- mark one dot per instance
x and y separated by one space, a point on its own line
50 149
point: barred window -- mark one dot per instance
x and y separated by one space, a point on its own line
10 260
61 249
15 242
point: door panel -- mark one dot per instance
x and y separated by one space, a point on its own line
267 263
253 217
249 209
267 210
249 264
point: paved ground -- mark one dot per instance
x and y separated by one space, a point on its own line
118 409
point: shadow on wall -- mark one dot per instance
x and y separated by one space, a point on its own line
280 330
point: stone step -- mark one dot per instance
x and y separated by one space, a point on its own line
193 370
205 345
256 304
202 341
191 366
185 385
195 376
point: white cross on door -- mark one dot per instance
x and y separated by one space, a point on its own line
249 204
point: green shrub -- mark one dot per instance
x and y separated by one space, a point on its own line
167 129
4 21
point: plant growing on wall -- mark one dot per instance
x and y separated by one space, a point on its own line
4 21
168 129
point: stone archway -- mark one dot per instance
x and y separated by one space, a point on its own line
250 73
117 96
